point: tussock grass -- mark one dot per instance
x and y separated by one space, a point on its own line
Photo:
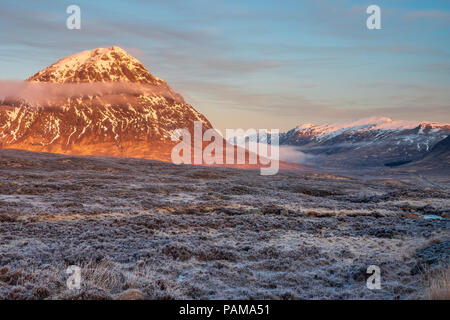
438 287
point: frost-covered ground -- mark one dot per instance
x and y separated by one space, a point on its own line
146 229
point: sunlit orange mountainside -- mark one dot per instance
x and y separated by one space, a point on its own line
97 102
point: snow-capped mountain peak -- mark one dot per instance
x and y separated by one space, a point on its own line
328 131
367 141
111 64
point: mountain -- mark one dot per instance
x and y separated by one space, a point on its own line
437 159
96 102
369 142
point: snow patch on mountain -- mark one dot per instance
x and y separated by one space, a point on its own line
111 64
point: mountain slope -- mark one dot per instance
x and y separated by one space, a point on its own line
368 142
107 103
438 158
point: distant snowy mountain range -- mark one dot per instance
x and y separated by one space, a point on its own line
375 141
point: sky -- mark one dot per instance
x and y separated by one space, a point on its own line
270 64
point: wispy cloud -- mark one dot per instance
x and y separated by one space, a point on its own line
38 94
428 15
